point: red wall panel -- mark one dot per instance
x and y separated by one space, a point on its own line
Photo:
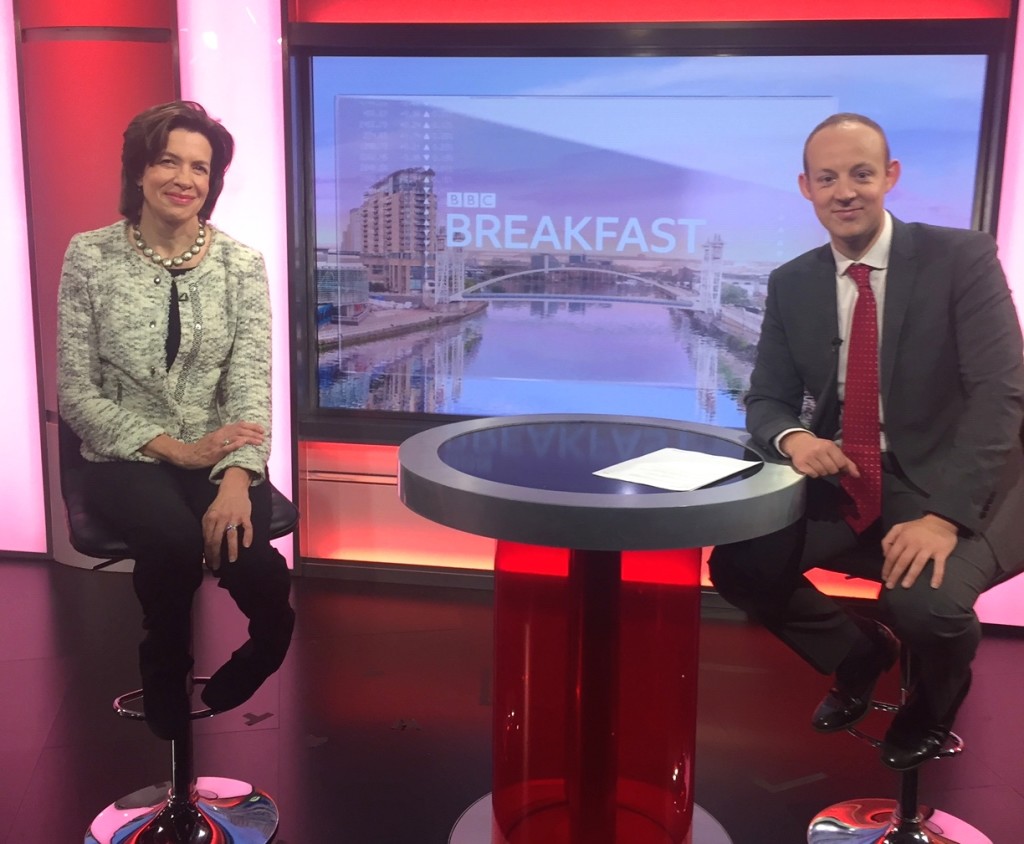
631 11
78 98
142 13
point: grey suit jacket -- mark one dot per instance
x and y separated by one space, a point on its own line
951 373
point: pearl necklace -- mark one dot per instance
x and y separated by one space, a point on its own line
186 256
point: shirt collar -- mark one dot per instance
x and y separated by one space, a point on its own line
877 257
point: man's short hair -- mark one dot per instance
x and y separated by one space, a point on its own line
848 117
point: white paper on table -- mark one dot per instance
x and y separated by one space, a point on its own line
676 469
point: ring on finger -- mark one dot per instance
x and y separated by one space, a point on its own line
231 527
226 442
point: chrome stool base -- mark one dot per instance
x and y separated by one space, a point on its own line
188 809
876 821
903 821
217 811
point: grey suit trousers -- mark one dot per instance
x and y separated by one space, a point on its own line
766 578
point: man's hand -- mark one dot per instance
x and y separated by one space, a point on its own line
909 546
816 457
227 517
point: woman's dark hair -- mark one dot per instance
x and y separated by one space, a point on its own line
145 140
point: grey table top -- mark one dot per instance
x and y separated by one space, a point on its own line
530 479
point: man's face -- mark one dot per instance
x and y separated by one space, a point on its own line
847 179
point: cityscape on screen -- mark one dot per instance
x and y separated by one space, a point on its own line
589 235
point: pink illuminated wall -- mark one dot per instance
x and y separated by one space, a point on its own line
1011 204
1005 604
23 514
64 50
231 61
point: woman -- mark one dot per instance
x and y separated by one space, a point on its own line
164 373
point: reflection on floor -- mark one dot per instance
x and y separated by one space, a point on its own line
376 730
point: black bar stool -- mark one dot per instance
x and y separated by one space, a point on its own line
187 809
902 821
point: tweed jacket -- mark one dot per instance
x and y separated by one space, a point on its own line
114 388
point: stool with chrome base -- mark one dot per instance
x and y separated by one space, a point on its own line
186 810
902 821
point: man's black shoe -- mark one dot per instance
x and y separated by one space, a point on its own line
916 734
849 700
908 752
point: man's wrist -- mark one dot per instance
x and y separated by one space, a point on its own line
787 436
941 522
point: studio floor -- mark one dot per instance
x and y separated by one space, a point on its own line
377 728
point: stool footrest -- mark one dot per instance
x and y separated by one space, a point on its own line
129 705
951 747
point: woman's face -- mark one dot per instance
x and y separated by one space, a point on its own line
175 186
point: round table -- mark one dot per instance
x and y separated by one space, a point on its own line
597 609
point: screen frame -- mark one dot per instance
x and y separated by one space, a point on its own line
992 38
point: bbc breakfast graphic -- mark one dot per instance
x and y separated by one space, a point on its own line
503 236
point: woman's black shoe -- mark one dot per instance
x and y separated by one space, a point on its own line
238 679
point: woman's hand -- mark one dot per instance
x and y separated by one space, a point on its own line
228 517
216 445
209 450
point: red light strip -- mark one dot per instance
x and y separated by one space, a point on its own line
650 11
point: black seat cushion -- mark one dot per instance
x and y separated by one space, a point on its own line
91 536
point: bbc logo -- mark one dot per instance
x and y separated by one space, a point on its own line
472 199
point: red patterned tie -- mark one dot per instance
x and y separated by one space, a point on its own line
860 407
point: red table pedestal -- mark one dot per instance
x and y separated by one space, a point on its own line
595 695
595 658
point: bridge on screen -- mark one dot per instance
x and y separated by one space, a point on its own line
668 296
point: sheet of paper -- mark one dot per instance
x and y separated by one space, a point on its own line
676 469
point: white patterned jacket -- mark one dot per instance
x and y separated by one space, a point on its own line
112 380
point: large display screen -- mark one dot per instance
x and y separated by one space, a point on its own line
515 235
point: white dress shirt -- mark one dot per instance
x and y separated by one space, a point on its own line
877 257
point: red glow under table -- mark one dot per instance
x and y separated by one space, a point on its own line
596 610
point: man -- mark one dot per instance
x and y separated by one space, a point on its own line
948 517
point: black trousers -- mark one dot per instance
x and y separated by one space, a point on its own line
766 578
158 508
